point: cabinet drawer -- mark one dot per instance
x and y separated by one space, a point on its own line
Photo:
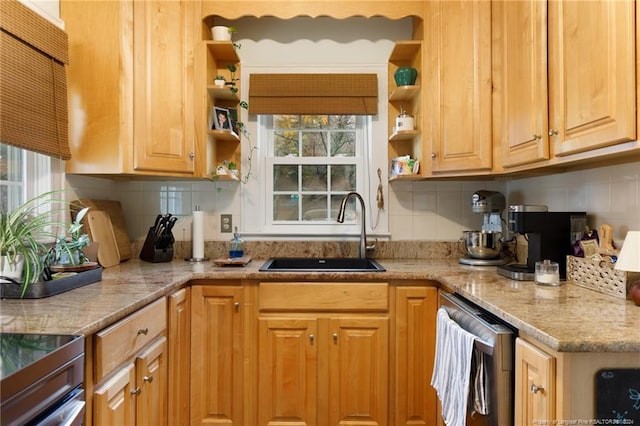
324 297
122 340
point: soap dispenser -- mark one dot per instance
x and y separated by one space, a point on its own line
236 245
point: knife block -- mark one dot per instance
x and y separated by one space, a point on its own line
156 249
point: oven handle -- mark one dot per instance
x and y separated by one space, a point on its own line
483 346
75 412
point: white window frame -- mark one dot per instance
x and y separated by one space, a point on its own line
40 174
255 206
319 227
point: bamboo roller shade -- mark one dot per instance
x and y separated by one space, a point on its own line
33 84
313 94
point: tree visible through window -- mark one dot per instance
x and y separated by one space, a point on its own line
314 162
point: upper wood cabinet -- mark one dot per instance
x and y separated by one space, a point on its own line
584 98
520 57
457 86
131 101
592 74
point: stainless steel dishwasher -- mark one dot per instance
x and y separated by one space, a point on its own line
494 342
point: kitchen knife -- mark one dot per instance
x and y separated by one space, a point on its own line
156 223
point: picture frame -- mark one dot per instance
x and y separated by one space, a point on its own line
221 119
233 118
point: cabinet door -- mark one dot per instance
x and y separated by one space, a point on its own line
151 384
535 387
178 360
216 355
358 371
458 91
114 402
521 57
413 399
592 69
163 46
288 371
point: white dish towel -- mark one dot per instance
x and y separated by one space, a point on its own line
452 368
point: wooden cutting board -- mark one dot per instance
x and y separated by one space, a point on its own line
102 232
114 210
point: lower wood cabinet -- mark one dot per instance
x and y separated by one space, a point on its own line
316 370
217 329
312 353
412 399
534 385
130 369
179 356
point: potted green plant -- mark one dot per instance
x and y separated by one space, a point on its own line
219 81
68 250
24 232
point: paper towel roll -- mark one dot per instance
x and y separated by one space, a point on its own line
197 234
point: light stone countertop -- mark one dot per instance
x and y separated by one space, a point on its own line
568 318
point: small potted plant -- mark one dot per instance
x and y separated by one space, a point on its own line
222 32
219 81
68 250
24 232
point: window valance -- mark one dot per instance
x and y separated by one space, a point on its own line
33 84
338 94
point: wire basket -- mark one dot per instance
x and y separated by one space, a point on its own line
598 274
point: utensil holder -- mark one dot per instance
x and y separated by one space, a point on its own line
157 248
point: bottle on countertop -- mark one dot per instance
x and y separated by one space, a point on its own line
236 245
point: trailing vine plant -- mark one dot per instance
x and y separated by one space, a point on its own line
231 165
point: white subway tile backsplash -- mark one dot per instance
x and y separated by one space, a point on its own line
428 210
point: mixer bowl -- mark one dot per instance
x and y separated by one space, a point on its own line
483 244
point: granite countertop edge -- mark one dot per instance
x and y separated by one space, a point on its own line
569 318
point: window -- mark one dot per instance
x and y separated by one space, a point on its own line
302 163
312 162
25 174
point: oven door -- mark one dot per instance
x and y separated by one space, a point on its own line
68 412
495 344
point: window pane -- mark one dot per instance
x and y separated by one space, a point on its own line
314 178
11 161
342 121
343 144
350 210
286 121
285 144
314 207
343 178
285 178
285 207
314 144
315 121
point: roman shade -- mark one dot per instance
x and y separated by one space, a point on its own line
33 86
313 94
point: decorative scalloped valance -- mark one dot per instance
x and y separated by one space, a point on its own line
33 84
313 94
339 9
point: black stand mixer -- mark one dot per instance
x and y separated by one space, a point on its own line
484 247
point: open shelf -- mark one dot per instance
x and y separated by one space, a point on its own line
404 93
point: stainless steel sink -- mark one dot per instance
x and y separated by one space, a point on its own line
332 264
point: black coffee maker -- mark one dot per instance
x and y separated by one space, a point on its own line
550 235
